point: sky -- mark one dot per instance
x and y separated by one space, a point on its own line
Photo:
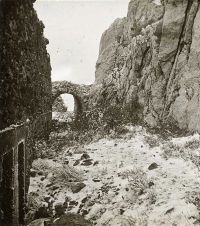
74 29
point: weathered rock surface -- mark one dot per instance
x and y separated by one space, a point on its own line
150 60
79 92
71 220
77 187
25 71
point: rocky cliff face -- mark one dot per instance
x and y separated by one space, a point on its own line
150 60
25 81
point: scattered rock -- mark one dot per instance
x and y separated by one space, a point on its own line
69 153
141 192
66 162
40 173
96 180
67 200
33 173
84 200
47 198
197 222
87 162
80 208
91 203
85 156
77 162
39 222
153 166
151 184
169 210
79 150
49 185
77 187
84 212
95 163
59 209
42 212
71 219
55 187
73 203
122 211
42 178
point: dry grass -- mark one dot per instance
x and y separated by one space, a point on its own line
138 182
194 198
171 150
190 151
194 144
61 174
152 141
65 175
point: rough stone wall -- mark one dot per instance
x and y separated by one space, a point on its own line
25 81
81 94
25 98
150 60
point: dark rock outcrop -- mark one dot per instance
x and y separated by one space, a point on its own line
25 102
25 81
71 220
150 60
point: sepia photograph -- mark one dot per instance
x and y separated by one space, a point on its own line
99 112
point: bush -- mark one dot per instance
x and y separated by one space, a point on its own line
138 182
90 125
104 119
194 198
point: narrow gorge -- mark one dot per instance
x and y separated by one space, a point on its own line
129 153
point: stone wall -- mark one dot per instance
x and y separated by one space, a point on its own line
81 94
149 61
25 102
25 81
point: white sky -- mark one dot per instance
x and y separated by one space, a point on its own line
74 29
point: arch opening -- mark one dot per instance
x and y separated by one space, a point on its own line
66 108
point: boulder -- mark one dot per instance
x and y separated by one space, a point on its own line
77 187
71 219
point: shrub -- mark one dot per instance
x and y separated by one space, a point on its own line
152 141
105 119
194 198
64 175
172 150
193 144
138 182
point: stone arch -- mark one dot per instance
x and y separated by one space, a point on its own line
79 92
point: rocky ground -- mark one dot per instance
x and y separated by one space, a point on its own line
137 178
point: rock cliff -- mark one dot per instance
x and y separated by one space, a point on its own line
150 60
